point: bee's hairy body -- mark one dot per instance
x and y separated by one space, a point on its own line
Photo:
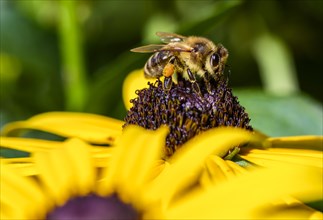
189 56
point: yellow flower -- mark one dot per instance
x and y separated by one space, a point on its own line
145 185
275 152
131 169
66 179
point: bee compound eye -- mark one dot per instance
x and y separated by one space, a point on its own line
214 60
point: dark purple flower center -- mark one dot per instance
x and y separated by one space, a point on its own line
93 207
186 112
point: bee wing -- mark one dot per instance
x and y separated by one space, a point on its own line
177 47
148 48
151 48
170 37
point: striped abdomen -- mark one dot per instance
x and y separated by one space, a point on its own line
156 63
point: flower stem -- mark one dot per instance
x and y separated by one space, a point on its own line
73 70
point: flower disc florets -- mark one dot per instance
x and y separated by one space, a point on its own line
186 112
94 207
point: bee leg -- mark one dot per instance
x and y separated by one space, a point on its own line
168 81
192 79
168 72
206 78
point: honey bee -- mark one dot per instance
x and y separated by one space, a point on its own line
191 57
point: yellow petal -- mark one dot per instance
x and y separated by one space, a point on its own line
217 169
20 197
316 215
133 159
18 160
228 172
297 152
246 195
158 168
300 142
295 211
130 137
101 155
12 198
89 127
211 174
24 165
140 163
106 184
55 175
66 171
235 167
134 81
80 159
29 144
261 156
33 145
189 159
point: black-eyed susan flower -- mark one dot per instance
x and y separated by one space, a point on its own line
188 114
75 180
137 176
63 177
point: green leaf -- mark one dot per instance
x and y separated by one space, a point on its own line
11 153
318 205
282 115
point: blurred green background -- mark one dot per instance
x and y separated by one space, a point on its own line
74 55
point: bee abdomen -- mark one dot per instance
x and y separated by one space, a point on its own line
156 63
